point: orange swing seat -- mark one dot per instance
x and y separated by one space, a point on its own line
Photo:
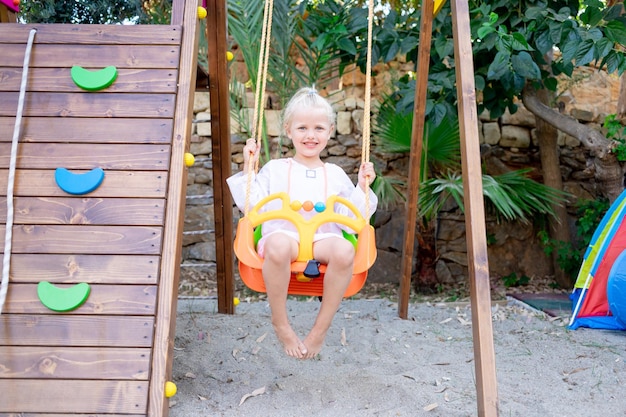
251 264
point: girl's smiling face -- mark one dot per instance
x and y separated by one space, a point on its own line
309 129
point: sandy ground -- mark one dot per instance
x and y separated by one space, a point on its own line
375 364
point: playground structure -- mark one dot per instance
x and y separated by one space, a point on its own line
87 326
112 354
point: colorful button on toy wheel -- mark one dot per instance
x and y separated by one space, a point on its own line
295 205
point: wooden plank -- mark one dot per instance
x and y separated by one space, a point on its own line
476 235
74 363
85 104
144 157
93 34
103 300
415 157
136 184
60 80
220 116
93 269
94 211
75 330
70 239
69 130
163 348
73 396
91 56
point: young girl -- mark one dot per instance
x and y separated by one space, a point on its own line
309 121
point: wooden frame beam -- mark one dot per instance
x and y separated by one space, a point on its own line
476 234
220 133
184 14
415 158
6 15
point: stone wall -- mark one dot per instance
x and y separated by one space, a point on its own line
506 143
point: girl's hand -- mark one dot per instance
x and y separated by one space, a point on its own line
366 175
250 151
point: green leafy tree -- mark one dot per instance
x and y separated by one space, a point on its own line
157 12
81 11
512 48
514 44
509 197
589 32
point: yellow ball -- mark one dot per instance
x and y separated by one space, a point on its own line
201 12
229 56
236 301
295 205
170 389
189 159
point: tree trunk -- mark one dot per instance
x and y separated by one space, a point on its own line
551 167
426 276
608 172
621 100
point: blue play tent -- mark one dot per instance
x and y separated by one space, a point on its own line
599 293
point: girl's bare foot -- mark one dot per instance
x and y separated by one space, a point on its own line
314 343
291 342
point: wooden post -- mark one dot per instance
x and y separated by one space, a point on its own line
417 140
6 15
184 14
484 356
220 133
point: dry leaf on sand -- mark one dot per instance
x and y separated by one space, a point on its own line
254 393
431 407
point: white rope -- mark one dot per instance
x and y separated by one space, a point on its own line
6 262
365 151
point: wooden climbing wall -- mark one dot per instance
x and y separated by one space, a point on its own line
112 355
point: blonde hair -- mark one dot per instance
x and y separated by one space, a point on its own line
307 97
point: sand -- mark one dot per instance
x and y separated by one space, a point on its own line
376 364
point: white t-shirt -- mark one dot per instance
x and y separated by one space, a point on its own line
302 184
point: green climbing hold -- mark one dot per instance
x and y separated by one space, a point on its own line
62 299
93 80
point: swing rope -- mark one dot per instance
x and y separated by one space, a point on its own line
259 95
8 233
365 147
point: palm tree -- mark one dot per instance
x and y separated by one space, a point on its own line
509 197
